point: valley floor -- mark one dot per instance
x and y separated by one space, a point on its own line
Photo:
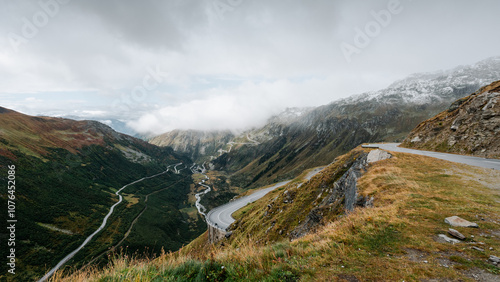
396 239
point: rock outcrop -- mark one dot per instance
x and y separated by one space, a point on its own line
458 221
470 126
377 155
344 193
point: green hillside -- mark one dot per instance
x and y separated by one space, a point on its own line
66 183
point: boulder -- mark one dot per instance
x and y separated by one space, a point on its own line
377 155
448 239
494 259
460 222
456 234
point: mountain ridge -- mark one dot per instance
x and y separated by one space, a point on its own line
333 129
53 132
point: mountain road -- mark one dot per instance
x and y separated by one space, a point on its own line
221 216
101 227
469 160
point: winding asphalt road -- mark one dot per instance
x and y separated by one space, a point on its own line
313 173
199 206
475 161
221 218
103 224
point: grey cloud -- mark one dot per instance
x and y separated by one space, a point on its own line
153 24
256 46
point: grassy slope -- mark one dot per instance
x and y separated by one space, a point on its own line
394 240
74 197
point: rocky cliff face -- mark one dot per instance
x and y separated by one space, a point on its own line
470 126
199 145
343 194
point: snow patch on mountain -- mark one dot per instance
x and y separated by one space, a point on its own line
425 88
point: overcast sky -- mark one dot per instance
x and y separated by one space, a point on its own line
216 64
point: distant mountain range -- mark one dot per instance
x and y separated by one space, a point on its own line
37 135
303 138
117 125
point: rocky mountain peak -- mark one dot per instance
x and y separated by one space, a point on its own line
289 115
433 87
483 70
